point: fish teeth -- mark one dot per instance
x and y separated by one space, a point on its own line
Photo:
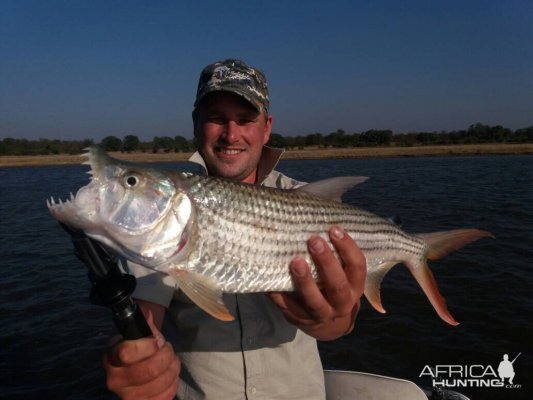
53 203
50 203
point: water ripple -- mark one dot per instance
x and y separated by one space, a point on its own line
51 338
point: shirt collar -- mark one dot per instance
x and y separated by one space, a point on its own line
270 157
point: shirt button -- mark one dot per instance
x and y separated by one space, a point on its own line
253 390
250 341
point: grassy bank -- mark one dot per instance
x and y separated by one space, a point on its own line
444 150
307 153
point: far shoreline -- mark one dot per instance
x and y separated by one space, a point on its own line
309 153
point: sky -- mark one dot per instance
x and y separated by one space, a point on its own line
76 69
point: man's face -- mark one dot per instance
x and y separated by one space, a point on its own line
231 134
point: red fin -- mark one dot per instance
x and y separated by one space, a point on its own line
373 284
203 291
441 244
425 279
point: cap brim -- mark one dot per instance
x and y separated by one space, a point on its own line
229 90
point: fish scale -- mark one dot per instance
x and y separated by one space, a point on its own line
215 235
269 221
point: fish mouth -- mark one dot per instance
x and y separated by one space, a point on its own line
59 207
77 210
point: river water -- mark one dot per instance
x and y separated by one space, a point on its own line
51 337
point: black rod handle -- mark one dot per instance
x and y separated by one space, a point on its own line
130 321
110 287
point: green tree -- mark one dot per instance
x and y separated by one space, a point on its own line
182 144
315 139
8 146
337 139
276 140
165 143
131 143
426 138
111 143
524 135
376 137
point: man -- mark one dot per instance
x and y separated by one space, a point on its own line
269 351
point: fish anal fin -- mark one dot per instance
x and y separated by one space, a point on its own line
373 284
204 291
333 188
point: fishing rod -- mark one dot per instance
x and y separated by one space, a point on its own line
512 362
110 287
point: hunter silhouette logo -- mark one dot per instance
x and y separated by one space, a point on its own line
475 375
506 369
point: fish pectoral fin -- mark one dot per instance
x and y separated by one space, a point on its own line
203 291
373 284
333 188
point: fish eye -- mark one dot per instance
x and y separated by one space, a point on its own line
132 181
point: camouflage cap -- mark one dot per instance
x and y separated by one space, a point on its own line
234 76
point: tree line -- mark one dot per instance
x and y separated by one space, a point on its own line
477 133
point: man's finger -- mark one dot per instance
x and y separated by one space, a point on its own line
130 352
353 259
291 308
162 382
332 276
140 372
309 294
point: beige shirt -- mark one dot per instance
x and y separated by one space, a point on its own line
259 355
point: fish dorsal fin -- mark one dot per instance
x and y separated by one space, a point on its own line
333 188
373 284
203 291
396 220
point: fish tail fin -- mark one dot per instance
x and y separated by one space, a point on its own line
426 280
439 244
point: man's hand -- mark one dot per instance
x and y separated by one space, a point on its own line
328 312
144 368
